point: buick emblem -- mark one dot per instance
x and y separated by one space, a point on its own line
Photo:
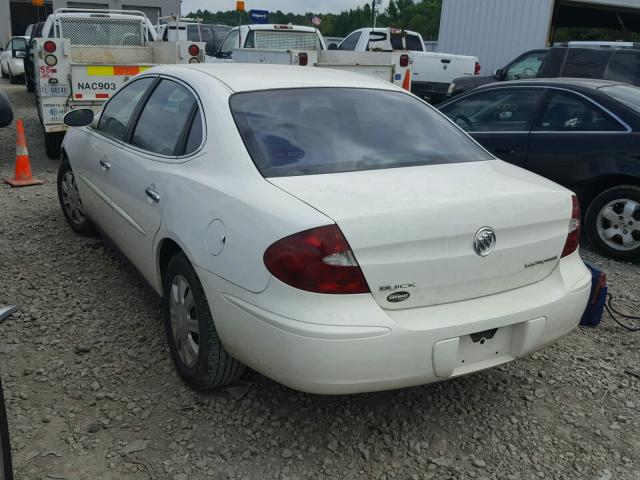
485 241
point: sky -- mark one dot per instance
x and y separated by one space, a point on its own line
295 6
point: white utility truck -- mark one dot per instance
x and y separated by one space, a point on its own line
85 55
431 72
270 37
305 47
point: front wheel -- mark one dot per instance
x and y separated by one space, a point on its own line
198 353
613 222
13 79
70 201
4 75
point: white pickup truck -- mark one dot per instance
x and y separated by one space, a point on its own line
305 47
432 72
85 55
270 37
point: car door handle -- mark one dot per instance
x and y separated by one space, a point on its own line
104 164
504 151
152 194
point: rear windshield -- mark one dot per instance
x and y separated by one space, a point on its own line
282 40
628 95
326 130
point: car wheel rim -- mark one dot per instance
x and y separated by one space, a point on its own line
71 199
618 224
184 321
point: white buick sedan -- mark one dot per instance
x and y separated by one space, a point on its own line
329 230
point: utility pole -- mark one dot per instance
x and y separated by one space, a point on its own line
374 15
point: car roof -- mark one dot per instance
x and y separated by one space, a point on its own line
584 83
244 77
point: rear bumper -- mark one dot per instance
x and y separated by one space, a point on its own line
330 345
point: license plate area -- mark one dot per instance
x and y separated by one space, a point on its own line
485 345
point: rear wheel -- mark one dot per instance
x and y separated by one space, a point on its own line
613 222
53 144
70 201
31 87
197 351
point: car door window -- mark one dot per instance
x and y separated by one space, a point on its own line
164 118
350 42
230 42
505 110
566 112
115 118
526 67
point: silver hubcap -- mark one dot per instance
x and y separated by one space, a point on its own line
71 199
619 224
184 321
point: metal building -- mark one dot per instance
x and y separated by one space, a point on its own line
15 15
496 31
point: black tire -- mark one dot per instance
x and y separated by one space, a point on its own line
4 75
5 444
31 86
213 366
82 226
631 226
53 144
13 79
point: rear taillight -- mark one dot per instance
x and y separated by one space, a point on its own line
317 260
303 59
573 237
194 50
404 60
476 70
49 46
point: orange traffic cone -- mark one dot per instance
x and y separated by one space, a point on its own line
406 83
23 176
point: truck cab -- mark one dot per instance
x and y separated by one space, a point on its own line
270 37
432 72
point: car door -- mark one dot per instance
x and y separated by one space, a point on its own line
91 155
168 129
499 119
571 137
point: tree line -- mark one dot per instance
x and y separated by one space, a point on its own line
422 16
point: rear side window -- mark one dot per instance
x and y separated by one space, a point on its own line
411 42
624 67
194 139
164 118
586 63
496 110
325 130
350 42
115 118
230 42
567 112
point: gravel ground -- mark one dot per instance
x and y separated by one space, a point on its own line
92 393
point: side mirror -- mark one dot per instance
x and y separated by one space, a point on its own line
498 74
78 118
6 312
332 46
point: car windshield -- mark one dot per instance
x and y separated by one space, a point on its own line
310 131
628 95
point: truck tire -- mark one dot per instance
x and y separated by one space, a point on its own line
4 75
53 144
13 80
199 357
31 87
